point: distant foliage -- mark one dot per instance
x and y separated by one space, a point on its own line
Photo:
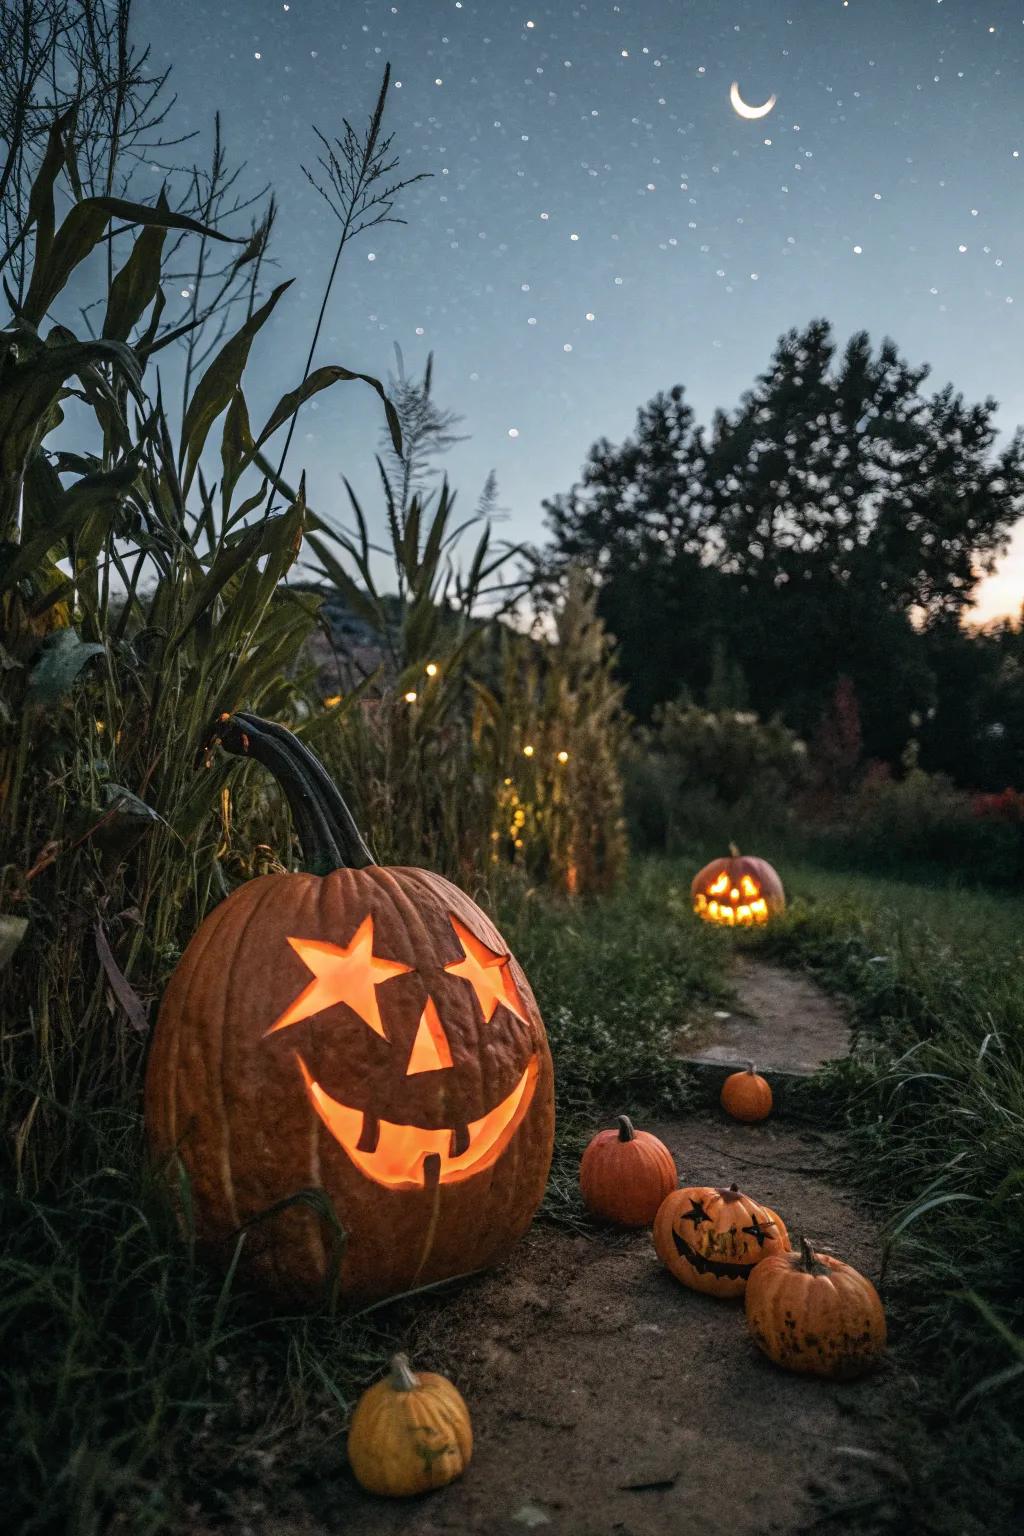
554 735
712 772
834 524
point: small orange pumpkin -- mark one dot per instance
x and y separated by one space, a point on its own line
713 1239
737 892
626 1174
812 1313
409 1433
747 1096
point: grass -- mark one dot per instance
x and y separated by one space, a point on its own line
139 1387
933 1105
144 1394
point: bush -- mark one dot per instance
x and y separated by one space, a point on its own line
923 820
701 770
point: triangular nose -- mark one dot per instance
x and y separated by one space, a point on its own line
430 1047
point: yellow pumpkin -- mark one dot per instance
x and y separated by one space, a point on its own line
409 1433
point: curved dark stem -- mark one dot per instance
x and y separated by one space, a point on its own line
325 826
626 1131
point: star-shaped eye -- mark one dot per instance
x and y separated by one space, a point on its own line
348 975
760 1234
696 1214
488 973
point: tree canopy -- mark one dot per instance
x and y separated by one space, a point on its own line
834 524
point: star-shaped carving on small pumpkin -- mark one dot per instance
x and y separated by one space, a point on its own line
759 1233
696 1214
488 974
349 974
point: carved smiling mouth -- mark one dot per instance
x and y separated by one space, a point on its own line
413 1157
725 1269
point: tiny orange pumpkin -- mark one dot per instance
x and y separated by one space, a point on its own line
409 1433
813 1313
713 1239
747 1096
626 1174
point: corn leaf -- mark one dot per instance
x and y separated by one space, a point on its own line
62 656
217 386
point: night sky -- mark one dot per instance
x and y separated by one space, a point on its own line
600 224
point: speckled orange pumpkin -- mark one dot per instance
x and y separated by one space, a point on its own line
812 1313
360 1031
625 1175
747 1096
713 1239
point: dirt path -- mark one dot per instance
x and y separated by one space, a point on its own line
608 1400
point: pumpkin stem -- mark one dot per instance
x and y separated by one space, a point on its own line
751 1069
809 1262
732 1193
734 852
401 1376
327 833
626 1131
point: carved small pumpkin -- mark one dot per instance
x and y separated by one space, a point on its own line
713 1239
357 1030
409 1433
812 1313
747 1096
626 1174
737 892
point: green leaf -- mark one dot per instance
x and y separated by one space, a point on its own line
40 201
218 384
126 804
62 656
82 230
354 596
236 445
136 285
323 378
102 493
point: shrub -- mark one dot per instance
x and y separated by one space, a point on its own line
702 769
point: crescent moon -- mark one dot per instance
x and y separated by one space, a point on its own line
744 109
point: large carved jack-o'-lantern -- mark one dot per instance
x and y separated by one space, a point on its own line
361 1030
737 892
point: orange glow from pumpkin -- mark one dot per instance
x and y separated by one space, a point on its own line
487 972
430 1048
412 1157
349 974
741 915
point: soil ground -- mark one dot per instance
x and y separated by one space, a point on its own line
608 1400
781 1021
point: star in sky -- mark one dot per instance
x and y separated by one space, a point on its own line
348 975
488 974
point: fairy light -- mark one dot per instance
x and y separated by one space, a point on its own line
563 756
527 751
411 696
431 669
333 702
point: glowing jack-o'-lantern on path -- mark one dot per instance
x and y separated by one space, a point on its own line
360 1030
737 892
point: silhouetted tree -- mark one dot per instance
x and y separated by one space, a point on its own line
824 528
